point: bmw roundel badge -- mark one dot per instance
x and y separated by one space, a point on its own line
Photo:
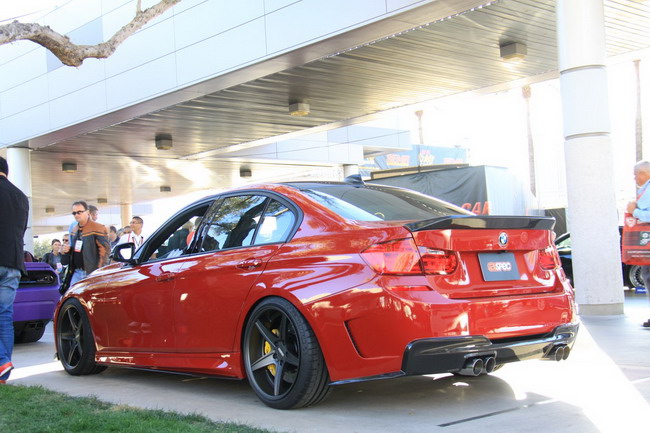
503 239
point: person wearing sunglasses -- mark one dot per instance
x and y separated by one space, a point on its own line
88 248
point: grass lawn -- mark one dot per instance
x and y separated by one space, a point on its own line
36 409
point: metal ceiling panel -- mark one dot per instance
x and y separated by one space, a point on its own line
433 60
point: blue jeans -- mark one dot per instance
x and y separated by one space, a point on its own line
9 279
78 275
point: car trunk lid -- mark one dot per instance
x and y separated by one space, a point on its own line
486 256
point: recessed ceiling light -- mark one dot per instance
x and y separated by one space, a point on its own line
513 51
299 109
164 141
69 167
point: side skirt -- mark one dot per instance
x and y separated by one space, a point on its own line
212 364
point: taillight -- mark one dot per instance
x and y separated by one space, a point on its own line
549 259
396 257
438 262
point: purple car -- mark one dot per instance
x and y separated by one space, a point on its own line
36 299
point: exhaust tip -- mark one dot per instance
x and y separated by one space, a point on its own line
477 366
473 367
490 364
559 353
567 352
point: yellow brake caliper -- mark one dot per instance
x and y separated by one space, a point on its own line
267 350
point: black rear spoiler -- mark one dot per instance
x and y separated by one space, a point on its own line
494 222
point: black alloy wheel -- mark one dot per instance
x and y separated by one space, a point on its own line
634 275
74 340
284 363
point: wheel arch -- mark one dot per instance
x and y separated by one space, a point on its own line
293 301
84 304
80 340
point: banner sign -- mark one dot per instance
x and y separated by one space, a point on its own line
483 190
636 241
419 155
464 187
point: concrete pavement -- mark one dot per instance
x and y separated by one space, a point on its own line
603 386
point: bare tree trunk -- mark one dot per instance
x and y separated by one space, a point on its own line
72 54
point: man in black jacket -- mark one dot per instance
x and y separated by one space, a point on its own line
13 220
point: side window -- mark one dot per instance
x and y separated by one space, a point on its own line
276 224
234 223
174 239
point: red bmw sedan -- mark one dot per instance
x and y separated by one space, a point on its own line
301 286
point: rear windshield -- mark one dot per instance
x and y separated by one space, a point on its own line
380 203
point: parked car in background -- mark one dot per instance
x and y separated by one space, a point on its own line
631 273
300 286
36 299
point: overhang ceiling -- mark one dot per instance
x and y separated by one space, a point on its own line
432 60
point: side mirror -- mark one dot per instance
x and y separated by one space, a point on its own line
123 253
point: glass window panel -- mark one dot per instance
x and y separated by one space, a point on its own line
234 223
276 225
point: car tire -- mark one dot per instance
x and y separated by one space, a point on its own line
634 276
283 360
74 340
30 334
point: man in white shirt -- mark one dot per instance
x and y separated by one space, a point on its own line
640 209
136 233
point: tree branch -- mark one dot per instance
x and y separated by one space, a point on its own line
72 54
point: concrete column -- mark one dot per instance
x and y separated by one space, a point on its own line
126 212
350 169
592 211
20 174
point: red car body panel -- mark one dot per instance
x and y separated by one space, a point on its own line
188 314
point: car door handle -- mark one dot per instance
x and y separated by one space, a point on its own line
166 276
249 264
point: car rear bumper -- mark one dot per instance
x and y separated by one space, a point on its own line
450 354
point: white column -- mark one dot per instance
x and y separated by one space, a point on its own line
350 169
20 174
592 212
126 212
